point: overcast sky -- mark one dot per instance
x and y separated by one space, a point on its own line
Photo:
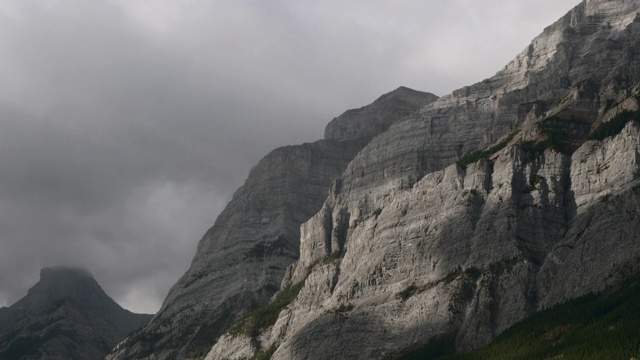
125 126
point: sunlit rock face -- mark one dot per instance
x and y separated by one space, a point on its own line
411 245
241 260
467 252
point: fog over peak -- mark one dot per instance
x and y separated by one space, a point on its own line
127 125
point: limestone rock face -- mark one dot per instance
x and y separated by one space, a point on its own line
66 315
371 120
411 246
566 82
241 260
587 59
467 252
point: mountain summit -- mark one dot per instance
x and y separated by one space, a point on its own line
421 220
242 259
66 315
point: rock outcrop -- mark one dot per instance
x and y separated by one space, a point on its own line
373 119
66 315
413 246
578 65
241 260
487 205
467 252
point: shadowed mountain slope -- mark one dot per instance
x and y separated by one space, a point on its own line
66 315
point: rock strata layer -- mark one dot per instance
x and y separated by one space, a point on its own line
413 246
373 119
465 253
453 221
241 260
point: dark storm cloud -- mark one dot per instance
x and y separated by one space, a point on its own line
125 126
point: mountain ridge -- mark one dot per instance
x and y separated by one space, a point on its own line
415 241
514 213
241 261
66 314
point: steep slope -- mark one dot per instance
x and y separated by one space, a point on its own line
466 253
595 326
422 248
577 66
66 315
241 260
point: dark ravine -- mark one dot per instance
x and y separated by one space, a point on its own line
402 237
66 315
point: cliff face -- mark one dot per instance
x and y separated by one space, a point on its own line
241 260
467 252
569 80
411 246
66 315
573 69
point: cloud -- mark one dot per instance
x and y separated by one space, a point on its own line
127 125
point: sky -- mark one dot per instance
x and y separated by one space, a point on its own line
126 125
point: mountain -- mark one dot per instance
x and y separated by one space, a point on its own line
594 326
66 315
242 259
450 218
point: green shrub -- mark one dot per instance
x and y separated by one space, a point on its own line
609 104
595 326
474 156
407 292
563 135
473 272
603 326
343 308
267 315
434 349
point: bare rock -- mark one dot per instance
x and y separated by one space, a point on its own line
371 120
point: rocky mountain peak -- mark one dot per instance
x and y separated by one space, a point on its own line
369 121
57 273
57 283
66 315
492 203
458 217
63 281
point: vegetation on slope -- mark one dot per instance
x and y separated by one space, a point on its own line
267 315
615 125
474 156
562 135
602 326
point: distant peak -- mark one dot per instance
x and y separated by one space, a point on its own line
404 89
419 98
56 272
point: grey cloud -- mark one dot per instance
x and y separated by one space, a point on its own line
126 125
